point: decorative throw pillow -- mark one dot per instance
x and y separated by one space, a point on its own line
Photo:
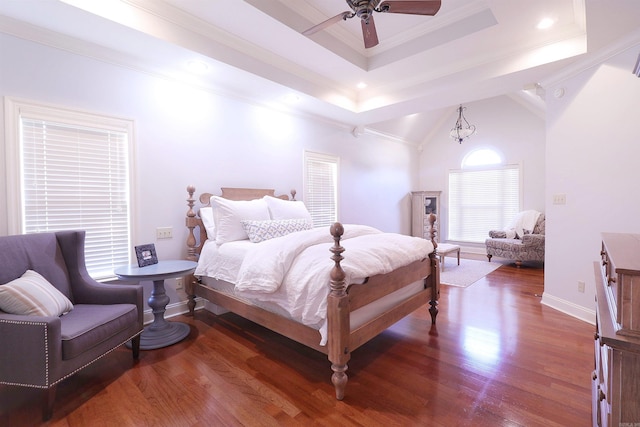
206 215
227 215
32 294
287 209
259 231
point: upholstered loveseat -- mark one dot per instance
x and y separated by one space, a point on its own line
40 347
525 245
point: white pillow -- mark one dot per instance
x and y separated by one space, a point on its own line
32 294
259 231
287 209
206 215
227 215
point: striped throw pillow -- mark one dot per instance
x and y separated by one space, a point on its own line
32 294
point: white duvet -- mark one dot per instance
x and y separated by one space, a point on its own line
293 271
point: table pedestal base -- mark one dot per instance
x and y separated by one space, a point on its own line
171 333
161 333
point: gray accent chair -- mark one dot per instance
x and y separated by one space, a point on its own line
530 247
41 351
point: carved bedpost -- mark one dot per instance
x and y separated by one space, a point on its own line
432 229
338 317
435 271
191 248
191 238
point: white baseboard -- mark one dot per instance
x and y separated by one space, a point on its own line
569 308
472 249
173 309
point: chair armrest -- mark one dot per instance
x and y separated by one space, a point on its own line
533 239
498 234
92 292
31 349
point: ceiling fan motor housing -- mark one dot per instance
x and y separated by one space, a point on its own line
363 8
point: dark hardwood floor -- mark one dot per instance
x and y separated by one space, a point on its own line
496 358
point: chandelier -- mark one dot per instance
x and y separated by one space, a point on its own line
462 128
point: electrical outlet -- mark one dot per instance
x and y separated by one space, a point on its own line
581 286
164 232
179 284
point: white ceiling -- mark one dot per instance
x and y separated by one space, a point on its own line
422 69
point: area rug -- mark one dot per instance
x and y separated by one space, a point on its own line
465 274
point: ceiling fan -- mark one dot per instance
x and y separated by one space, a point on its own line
364 9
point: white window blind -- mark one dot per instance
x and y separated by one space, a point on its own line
481 200
74 175
321 187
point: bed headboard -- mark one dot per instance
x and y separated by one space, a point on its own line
194 222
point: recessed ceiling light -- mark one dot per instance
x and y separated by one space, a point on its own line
545 23
361 85
197 66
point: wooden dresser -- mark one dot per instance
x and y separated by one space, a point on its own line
616 378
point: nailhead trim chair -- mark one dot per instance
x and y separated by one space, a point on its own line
40 351
529 247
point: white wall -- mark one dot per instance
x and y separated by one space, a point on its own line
503 125
592 156
185 135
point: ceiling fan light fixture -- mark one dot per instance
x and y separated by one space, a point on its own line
462 129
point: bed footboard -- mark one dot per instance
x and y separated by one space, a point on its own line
341 340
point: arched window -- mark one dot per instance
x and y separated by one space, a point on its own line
483 195
481 157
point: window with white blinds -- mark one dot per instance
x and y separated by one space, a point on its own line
74 171
321 187
481 200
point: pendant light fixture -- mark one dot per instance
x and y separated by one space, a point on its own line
462 129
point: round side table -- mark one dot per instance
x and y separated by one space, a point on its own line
160 333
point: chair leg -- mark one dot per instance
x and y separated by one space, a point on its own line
48 397
135 347
489 256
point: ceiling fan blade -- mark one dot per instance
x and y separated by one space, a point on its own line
321 26
414 7
369 32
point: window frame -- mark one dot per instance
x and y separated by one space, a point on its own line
15 109
501 220
311 156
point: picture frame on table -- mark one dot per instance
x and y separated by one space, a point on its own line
146 255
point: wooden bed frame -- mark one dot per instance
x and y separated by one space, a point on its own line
342 300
